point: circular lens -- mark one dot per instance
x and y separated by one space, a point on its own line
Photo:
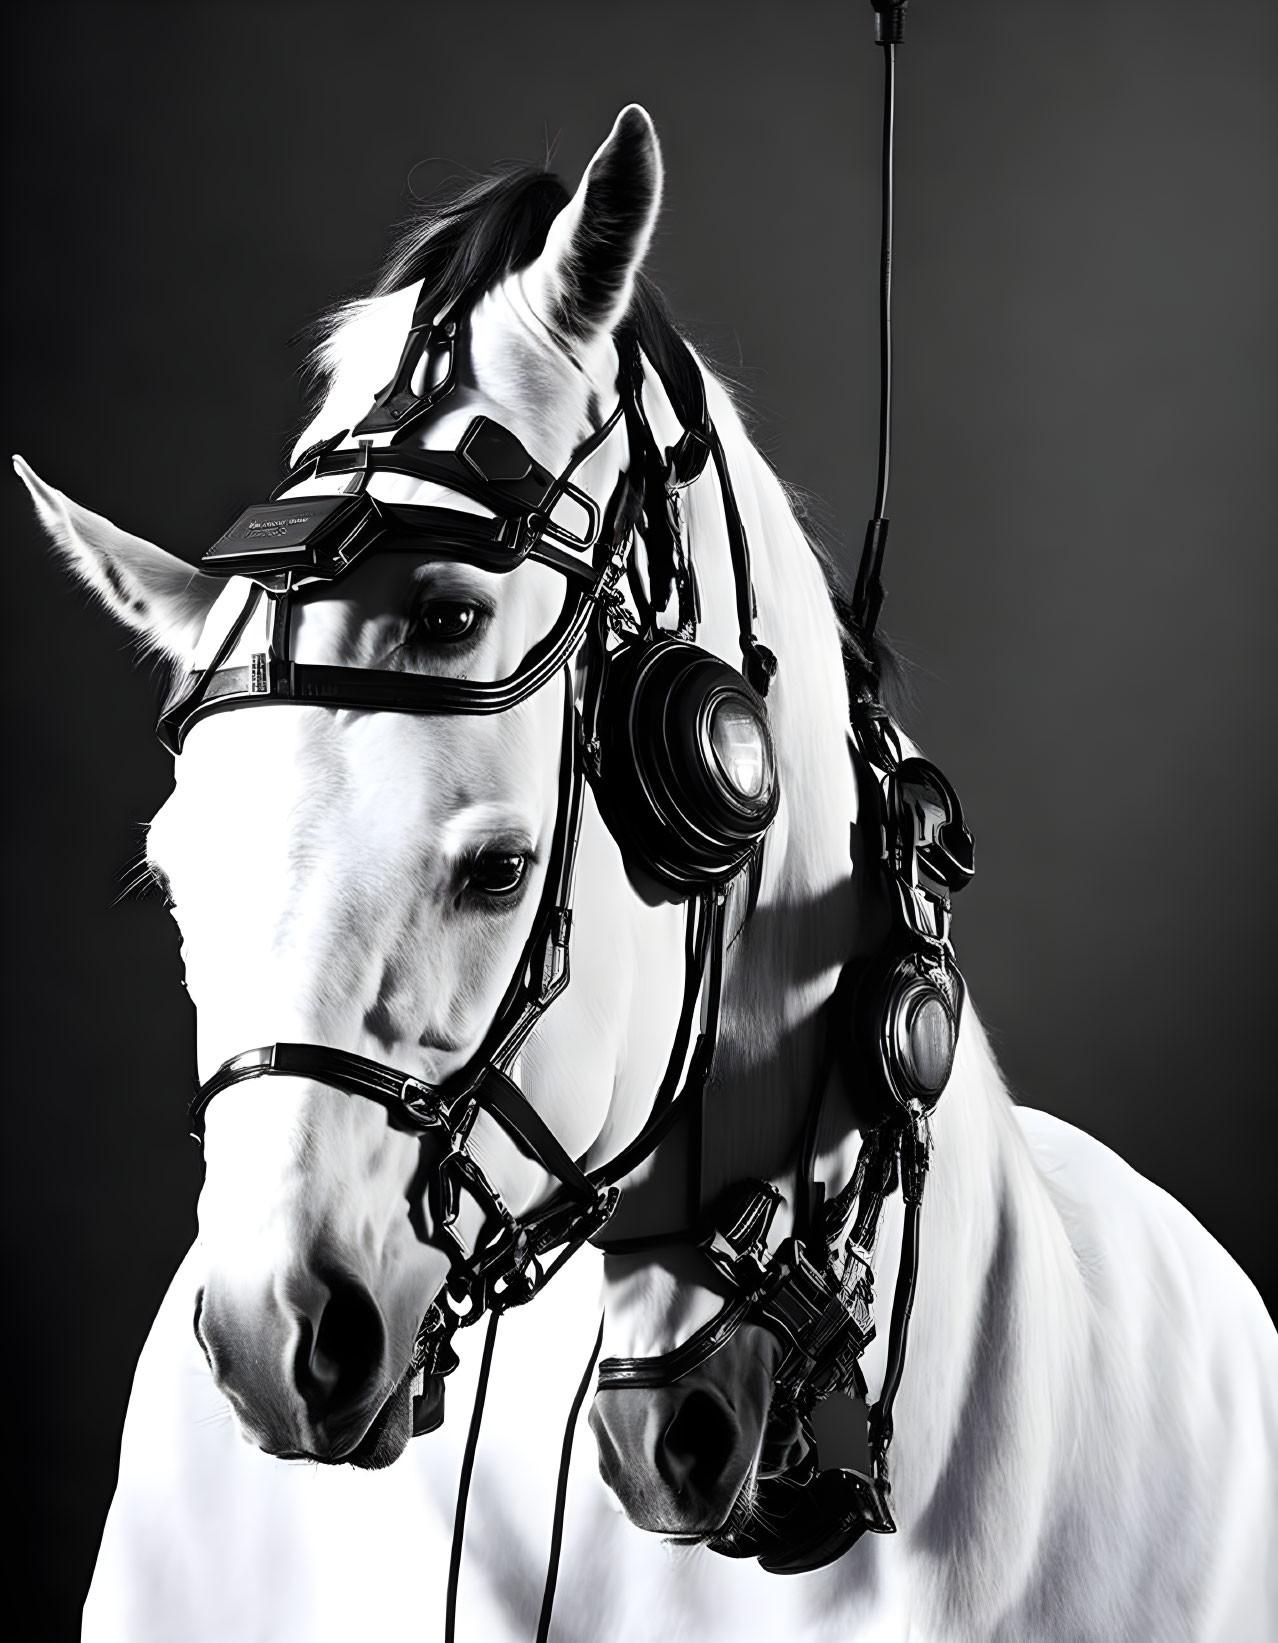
930 1041
740 748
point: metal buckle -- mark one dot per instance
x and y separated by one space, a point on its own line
926 917
457 1169
686 458
554 956
423 1102
876 733
517 1283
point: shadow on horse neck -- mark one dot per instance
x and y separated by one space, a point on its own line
991 1399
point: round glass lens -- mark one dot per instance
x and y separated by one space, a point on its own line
931 1040
737 739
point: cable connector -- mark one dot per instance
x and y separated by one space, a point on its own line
889 21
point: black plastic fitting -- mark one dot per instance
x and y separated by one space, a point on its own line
889 21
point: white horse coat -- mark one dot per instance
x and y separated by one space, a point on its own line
1099 1427
1087 1424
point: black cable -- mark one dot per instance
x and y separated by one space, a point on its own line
463 1484
902 1306
561 1494
867 594
885 282
907 1277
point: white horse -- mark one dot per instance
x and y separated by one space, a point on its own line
1085 1426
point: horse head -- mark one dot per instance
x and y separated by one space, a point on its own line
368 898
367 882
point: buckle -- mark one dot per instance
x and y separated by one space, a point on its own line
421 1100
554 956
516 1283
760 666
876 733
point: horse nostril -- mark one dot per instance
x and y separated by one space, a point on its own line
698 1443
338 1357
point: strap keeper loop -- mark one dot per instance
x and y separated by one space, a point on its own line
687 457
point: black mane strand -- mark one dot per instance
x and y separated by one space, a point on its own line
467 238
462 242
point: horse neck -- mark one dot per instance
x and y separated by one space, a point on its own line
783 963
988 1413
989 1401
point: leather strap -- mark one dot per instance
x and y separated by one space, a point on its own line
412 1106
672 1366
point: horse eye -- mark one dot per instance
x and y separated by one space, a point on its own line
498 872
444 621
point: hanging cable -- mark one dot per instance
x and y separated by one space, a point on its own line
885 282
867 595
561 1490
561 1494
463 1483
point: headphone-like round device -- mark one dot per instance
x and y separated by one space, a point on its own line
899 1009
687 774
905 1007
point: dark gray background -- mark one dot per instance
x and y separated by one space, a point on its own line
1083 511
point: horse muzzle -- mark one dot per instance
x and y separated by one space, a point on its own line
305 1367
676 1457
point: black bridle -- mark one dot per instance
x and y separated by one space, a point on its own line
814 1288
293 542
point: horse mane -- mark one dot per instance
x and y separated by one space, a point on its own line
467 237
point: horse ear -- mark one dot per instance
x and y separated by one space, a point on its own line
582 282
149 590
